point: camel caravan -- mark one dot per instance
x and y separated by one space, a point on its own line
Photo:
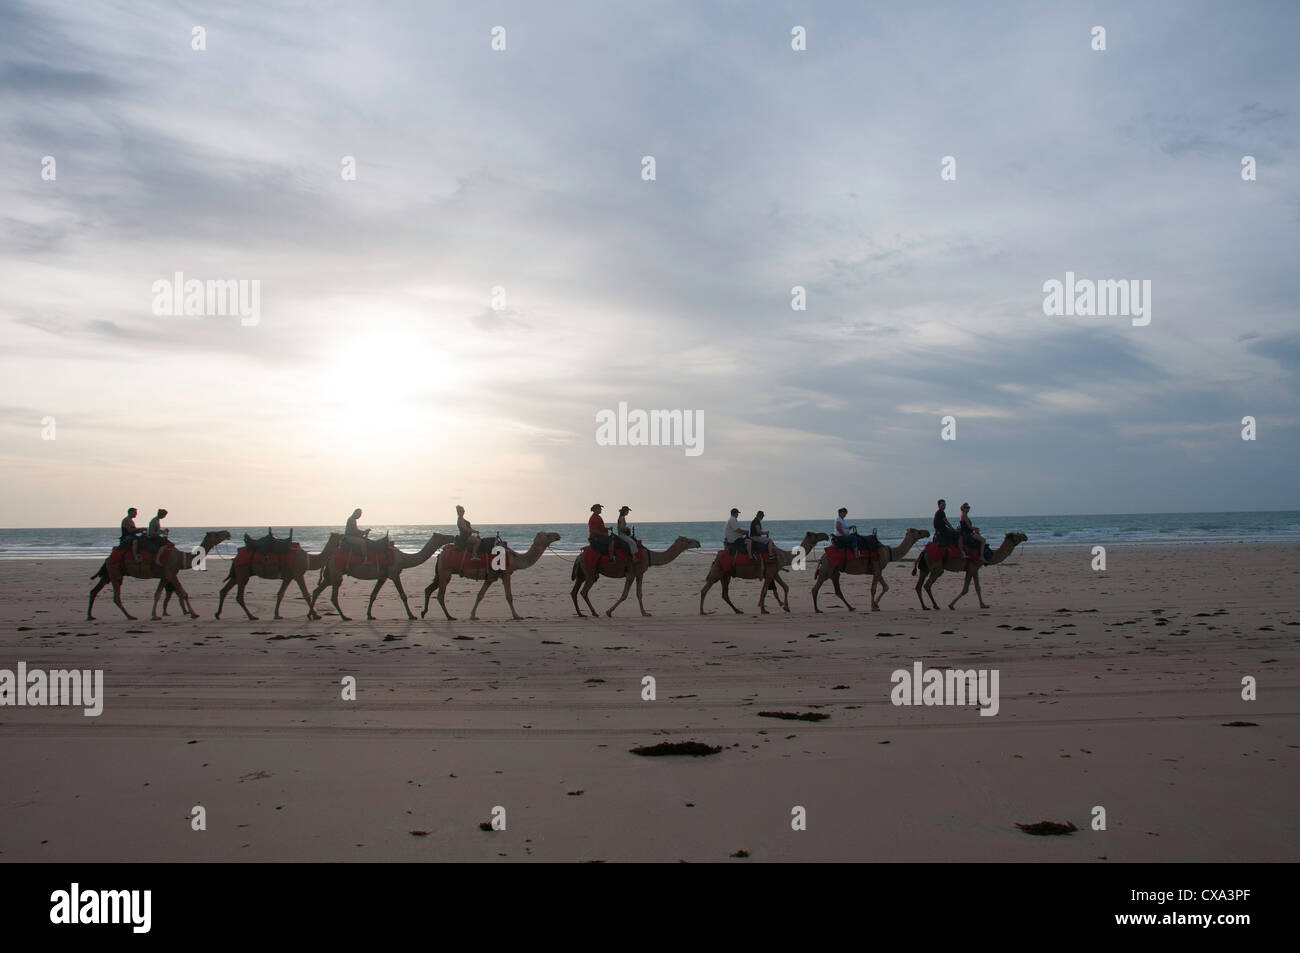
746 554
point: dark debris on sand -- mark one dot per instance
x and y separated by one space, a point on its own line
1239 724
1043 828
794 716
693 748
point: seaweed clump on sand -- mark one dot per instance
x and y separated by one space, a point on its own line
693 748
1044 828
794 716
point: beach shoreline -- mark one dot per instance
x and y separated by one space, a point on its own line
1117 691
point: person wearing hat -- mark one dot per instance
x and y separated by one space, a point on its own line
756 532
625 537
597 535
733 535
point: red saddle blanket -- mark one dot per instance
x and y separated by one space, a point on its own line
590 557
936 553
457 560
730 563
244 556
122 555
381 557
838 558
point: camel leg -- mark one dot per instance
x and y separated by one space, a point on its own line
239 597
708 584
117 599
374 594
627 587
442 598
334 598
929 583
321 583
785 590
473 613
817 584
156 593
397 584
578 580
279 596
428 594
93 593
884 588
183 597
978 594
726 594
221 601
839 593
640 577
587 584
510 598
302 587
964 589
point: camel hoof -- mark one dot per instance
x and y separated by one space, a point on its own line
156 618
645 615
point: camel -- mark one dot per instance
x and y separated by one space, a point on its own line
861 567
329 576
584 578
771 575
929 574
442 573
174 560
283 570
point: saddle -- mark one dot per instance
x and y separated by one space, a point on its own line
352 544
485 543
730 562
936 552
870 543
269 543
592 557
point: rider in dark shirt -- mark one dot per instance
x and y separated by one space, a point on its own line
944 534
757 534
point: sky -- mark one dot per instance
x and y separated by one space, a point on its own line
446 326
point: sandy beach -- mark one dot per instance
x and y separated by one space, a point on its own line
1115 688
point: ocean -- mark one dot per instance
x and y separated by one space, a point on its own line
1107 530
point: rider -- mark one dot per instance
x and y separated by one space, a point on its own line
733 535
467 540
597 535
969 537
756 533
944 534
130 534
358 536
625 538
846 535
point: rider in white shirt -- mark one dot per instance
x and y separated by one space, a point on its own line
734 533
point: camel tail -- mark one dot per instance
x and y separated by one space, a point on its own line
102 571
919 564
573 576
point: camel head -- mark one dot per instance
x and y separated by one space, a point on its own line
913 534
811 539
1015 539
687 543
214 538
